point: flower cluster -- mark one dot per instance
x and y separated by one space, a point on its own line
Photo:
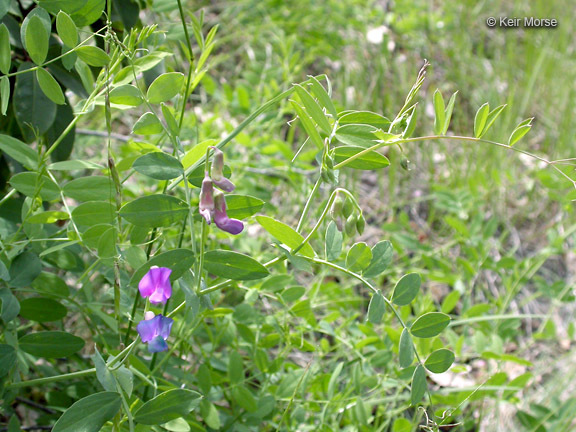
155 329
212 204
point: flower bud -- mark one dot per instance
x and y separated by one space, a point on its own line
336 209
360 224
348 208
218 172
350 226
206 205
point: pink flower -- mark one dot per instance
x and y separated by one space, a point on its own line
221 219
155 284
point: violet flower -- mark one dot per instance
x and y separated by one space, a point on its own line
221 219
156 284
206 205
154 330
217 172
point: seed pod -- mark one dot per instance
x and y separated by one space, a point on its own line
348 208
328 175
350 226
360 224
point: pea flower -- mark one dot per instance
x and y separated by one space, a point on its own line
221 219
206 205
155 284
154 330
217 172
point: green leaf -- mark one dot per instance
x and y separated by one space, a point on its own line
285 234
313 109
41 309
179 260
448 113
159 166
19 151
235 368
47 217
492 116
439 361
167 406
93 188
24 269
242 206
92 55
333 244
418 385
522 129
450 301
51 344
382 254
369 161
405 349
126 95
148 124
36 39
72 165
376 308
50 86
170 120
4 94
357 135
323 96
233 265
33 110
28 183
243 397
406 289
165 87
364 118
7 359
5 50
90 11
89 414
66 29
430 324
358 257
51 285
93 213
155 211
10 306
107 243
480 120
308 125
439 112
333 383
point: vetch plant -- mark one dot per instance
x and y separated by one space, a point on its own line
306 323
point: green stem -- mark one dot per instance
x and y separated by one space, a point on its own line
308 203
453 138
47 380
191 59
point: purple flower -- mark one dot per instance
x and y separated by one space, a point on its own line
206 205
156 284
217 172
154 330
221 219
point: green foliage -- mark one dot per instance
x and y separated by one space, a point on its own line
296 323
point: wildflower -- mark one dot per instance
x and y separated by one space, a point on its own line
156 284
154 330
221 219
217 172
206 206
